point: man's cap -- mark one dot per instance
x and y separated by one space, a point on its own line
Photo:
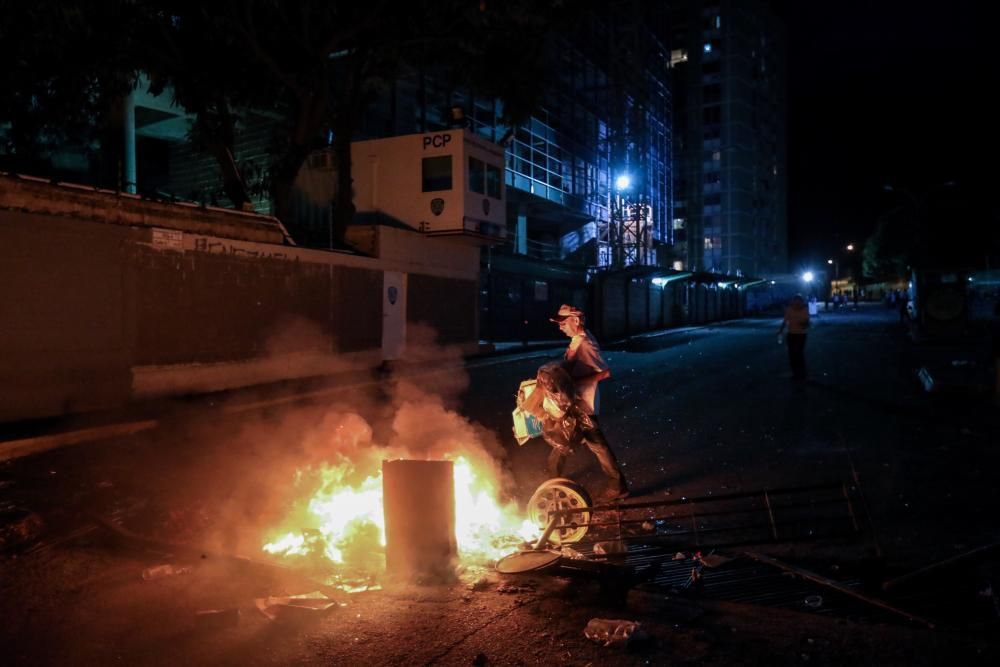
565 311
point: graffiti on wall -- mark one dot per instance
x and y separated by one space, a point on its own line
217 246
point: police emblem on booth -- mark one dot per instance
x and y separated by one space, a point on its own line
393 294
486 206
437 206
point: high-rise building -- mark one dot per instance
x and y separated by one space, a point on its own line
730 166
587 180
605 116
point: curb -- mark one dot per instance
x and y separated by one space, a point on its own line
13 449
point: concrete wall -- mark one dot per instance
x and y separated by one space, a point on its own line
105 298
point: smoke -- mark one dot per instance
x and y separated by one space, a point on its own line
295 348
431 370
295 335
276 465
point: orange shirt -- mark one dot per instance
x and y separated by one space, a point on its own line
797 319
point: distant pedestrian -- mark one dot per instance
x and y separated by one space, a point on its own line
855 299
797 321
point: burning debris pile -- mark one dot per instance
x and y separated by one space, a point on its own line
336 522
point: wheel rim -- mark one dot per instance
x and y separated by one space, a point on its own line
561 494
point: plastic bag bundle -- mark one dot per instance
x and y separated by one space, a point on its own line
548 406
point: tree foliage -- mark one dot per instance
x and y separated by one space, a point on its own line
64 68
314 66
885 253
949 225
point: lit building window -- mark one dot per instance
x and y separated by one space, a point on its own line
678 265
708 47
717 155
678 56
679 223
718 21
708 243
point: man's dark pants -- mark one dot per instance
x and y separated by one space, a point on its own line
598 444
797 355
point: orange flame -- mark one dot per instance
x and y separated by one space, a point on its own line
345 523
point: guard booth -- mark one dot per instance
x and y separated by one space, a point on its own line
447 183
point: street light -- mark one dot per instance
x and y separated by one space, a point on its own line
808 276
850 246
623 182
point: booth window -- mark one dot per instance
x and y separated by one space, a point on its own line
494 181
477 176
436 173
485 179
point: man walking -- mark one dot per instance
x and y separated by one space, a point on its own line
797 321
586 367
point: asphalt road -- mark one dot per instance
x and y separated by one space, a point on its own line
715 411
692 414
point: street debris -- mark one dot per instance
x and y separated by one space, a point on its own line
942 566
610 547
295 607
813 601
480 584
217 618
713 560
611 632
511 589
161 571
833 585
18 526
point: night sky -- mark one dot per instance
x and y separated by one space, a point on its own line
880 93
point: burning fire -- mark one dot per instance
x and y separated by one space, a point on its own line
344 523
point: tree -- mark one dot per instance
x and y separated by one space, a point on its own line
942 227
314 66
65 68
885 253
317 66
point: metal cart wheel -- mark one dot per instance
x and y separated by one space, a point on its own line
561 494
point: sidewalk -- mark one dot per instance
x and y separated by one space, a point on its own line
25 438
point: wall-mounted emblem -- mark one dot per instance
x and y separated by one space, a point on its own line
437 206
486 206
393 294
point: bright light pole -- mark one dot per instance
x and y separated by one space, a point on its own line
807 278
